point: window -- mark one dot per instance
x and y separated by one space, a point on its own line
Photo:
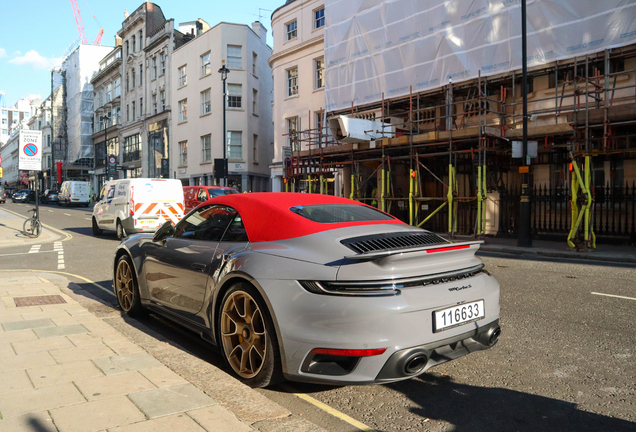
335 213
133 111
141 75
205 64
163 63
183 77
234 95
319 123
132 148
48 140
255 149
206 148
141 107
183 110
236 231
154 67
207 223
117 87
48 161
254 63
291 30
126 48
205 102
255 101
319 18
116 115
292 81
127 112
320 73
154 104
141 38
162 98
234 60
127 83
108 92
234 146
133 78
203 195
293 126
133 43
183 153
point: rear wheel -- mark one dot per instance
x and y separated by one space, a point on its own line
96 230
247 337
126 287
119 229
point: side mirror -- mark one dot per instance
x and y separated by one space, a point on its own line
166 230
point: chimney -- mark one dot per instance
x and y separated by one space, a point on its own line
260 30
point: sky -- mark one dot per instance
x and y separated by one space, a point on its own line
35 34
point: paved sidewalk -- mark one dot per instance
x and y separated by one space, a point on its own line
554 249
11 231
62 368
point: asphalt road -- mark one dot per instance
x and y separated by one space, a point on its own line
565 361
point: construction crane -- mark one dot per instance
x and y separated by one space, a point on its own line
80 24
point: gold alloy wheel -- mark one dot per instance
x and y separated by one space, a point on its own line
243 334
124 285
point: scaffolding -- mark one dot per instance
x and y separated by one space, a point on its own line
444 159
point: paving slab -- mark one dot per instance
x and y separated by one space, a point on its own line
97 415
63 373
71 355
122 346
26 401
40 345
113 385
126 363
173 423
163 377
32 422
17 336
25 361
171 400
14 381
64 330
27 324
6 350
217 418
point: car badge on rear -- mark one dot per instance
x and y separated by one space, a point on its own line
460 288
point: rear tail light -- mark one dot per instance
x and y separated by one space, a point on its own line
349 352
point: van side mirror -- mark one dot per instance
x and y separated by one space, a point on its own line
165 231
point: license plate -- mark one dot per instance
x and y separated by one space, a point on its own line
458 315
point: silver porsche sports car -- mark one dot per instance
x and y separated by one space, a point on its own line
312 288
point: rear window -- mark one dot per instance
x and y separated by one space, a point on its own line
220 192
335 213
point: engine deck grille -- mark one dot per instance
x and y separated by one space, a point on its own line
391 241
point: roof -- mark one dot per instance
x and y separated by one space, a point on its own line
267 217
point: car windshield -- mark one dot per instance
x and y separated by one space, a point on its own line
334 213
220 192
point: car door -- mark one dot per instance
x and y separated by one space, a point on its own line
177 268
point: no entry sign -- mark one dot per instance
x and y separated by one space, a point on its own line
30 156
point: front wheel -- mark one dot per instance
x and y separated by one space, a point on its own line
96 230
119 229
247 337
126 287
32 227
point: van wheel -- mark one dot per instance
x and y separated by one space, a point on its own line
121 233
96 230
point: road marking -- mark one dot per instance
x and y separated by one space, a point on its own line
67 274
334 412
66 214
88 218
615 296
24 253
68 236
35 249
51 211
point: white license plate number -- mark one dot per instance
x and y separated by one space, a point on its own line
458 315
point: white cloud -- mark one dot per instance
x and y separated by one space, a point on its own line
36 61
3 53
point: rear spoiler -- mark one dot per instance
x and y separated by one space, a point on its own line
368 256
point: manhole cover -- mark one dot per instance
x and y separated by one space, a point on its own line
38 300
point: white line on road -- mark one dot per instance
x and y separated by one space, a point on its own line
612 295
66 214
35 249
88 218
23 253
51 211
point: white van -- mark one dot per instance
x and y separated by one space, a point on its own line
137 205
74 192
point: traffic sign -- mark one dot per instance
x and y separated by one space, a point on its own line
30 156
0 160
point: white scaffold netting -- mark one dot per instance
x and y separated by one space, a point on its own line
387 46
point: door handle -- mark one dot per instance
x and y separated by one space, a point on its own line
199 266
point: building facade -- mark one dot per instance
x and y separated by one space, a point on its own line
197 98
297 63
107 84
12 117
148 40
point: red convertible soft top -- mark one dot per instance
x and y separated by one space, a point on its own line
267 217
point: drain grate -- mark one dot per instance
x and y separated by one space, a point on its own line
38 300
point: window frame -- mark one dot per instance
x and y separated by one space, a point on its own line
183 75
234 101
319 74
290 78
291 34
230 59
206 105
317 20
206 147
230 135
206 68
183 110
183 155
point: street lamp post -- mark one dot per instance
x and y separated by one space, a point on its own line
105 119
524 239
224 71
